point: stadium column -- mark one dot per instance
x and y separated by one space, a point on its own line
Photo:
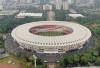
35 60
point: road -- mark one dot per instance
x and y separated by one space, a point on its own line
51 65
51 16
3 55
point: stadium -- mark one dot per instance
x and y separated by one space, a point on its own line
51 36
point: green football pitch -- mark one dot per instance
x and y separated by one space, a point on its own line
51 34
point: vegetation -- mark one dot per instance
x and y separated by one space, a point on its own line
7 24
4 62
61 15
42 66
91 57
88 58
50 34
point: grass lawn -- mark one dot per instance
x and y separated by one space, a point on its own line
39 66
4 62
50 34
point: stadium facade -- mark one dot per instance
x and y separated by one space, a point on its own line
51 36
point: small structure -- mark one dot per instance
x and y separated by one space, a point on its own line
75 15
36 15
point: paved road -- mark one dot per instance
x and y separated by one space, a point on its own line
3 55
51 65
51 16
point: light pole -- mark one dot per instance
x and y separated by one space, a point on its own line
35 60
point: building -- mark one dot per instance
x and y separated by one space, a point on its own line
65 5
47 7
83 3
36 15
58 4
75 15
1 7
37 1
69 1
74 2
51 36
96 5
29 1
2 2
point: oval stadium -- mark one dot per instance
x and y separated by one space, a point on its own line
51 36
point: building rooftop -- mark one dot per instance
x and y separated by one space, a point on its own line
30 14
75 15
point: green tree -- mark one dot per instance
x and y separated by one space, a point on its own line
39 62
31 59
62 63
95 53
89 56
97 62
75 58
70 59
84 60
28 65
23 62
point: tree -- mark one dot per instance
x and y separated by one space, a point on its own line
84 60
23 62
97 62
45 66
31 59
75 58
62 62
28 65
95 53
89 55
60 15
39 62
70 59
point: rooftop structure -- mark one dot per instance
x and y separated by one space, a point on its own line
36 15
75 15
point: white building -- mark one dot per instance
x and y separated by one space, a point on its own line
65 5
69 1
74 36
58 4
76 15
47 7
36 15
29 1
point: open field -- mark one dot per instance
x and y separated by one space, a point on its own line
50 34
9 61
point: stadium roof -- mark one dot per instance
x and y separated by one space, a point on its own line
79 34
